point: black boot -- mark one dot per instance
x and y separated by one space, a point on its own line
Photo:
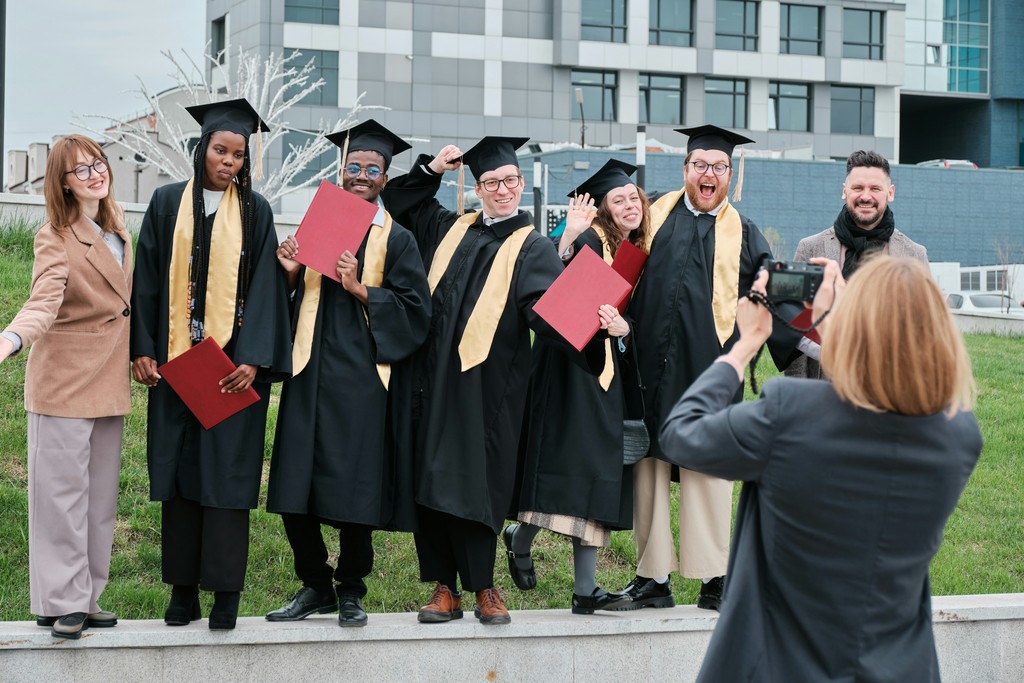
183 607
225 610
711 594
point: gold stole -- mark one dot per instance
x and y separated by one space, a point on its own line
728 244
373 276
222 273
478 336
605 378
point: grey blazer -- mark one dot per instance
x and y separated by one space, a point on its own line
840 514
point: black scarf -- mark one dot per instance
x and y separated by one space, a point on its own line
860 242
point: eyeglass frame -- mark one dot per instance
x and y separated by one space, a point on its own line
501 181
347 171
713 167
91 167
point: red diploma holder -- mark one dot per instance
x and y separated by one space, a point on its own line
629 262
195 377
336 222
803 320
570 304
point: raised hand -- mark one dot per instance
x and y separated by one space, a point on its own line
448 159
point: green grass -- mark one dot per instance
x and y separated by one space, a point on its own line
983 552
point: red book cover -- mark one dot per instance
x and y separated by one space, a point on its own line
570 304
803 320
336 221
195 377
629 262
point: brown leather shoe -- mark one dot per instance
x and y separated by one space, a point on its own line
444 605
490 608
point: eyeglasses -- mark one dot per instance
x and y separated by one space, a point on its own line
372 172
84 172
703 166
511 182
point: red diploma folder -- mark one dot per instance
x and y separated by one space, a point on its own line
336 222
570 304
194 376
803 320
629 262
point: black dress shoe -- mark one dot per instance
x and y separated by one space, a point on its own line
183 607
70 626
101 619
599 599
307 601
524 579
350 611
225 610
645 592
711 593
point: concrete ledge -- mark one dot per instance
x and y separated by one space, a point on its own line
979 638
995 323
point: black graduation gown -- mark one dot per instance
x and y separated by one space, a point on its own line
571 452
467 424
675 326
220 467
333 452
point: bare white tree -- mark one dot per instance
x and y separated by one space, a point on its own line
1008 255
164 135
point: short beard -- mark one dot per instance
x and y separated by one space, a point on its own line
700 203
866 225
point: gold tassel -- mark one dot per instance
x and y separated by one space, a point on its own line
460 200
257 167
737 194
344 161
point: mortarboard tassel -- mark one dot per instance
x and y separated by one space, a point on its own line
737 194
257 170
344 161
460 200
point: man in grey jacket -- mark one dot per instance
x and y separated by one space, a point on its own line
865 225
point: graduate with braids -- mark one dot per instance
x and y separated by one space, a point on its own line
206 267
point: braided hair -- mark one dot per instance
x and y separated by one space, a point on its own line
199 263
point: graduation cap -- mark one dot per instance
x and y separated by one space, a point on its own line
493 152
613 174
372 137
713 137
234 116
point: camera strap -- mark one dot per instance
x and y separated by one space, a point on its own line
760 298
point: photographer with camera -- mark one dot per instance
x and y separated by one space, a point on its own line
847 484
865 225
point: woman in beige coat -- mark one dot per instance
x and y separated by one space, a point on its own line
76 386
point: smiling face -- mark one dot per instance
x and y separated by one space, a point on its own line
362 185
225 156
867 192
90 191
706 190
503 201
625 208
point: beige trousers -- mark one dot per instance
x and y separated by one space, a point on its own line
73 469
705 514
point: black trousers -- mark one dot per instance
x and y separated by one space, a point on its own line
205 547
451 548
355 557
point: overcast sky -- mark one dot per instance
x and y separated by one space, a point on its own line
69 58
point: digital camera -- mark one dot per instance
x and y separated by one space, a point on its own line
793 281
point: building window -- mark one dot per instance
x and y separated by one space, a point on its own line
863 36
661 99
970 280
965 29
995 280
853 110
598 91
219 39
326 67
800 30
671 23
790 106
603 20
311 11
725 102
297 138
736 25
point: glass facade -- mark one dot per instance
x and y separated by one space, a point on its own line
736 25
671 23
863 34
326 67
800 30
790 106
311 11
965 29
661 99
598 88
853 110
725 102
603 20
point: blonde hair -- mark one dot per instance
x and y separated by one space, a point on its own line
62 207
892 345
